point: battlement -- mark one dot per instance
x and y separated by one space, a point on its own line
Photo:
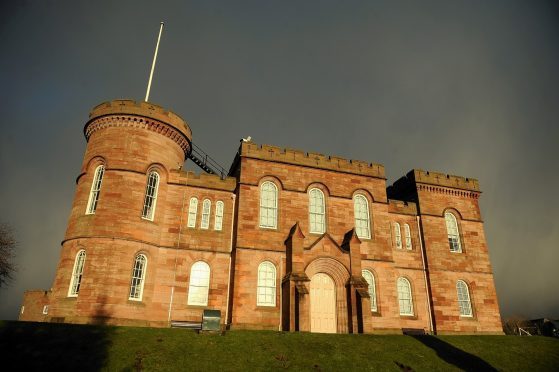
204 180
140 108
310 159
402 207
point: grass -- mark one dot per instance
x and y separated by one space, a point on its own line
43 346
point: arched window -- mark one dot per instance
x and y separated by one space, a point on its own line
199 284
77 273
369 277
150 199
206 208
407 234
192 211
452 232
317 211
404 297
397 235
266 295
464 298
95 190
268 205
138 276
361 214
218 219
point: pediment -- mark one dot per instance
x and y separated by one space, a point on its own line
326 245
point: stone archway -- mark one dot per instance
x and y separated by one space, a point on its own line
340 275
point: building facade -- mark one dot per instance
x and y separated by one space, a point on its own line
288 241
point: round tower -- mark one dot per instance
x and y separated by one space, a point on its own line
107 265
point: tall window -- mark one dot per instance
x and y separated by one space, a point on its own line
77 273
206 208
218 219
266 295
192 211
372 292
464 298
452 232
397 235
95 190
138 278
404 297
268 205
199 284
151 196
317 211
407 234
361 213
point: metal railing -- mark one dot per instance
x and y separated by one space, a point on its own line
206 162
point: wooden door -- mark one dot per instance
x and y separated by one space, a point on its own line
323 304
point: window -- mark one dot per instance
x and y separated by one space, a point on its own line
192 211
372 293
22 309
218 219
464 298
45 309
199 284
361 213
452 231
266 295
397 235
77 273
138 276
268 205
206 208
316 211
95 190
151 196
407 234
404 297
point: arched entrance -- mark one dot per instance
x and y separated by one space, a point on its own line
323 304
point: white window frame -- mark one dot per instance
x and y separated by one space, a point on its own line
138 277
453 232
77 274
266 284
268 206
218 218
150 199
405 297
45 309
362 217
317 211
95 190
407 236
397 235
192 212
370 278
200 283
206 211
464 300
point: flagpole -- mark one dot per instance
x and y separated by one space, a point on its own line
154 59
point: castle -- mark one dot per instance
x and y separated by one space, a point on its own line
286 240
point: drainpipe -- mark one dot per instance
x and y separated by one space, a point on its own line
233 198
281 295
425 275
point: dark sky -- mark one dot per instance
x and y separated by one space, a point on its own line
464 87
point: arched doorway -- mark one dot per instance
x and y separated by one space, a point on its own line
323 304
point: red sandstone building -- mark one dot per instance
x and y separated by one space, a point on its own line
288 240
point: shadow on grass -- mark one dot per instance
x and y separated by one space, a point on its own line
454 355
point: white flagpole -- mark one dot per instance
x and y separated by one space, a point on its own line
153 64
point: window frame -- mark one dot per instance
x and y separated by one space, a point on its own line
191 300
137 282
192 215
319 215
79 264
397 235
206 214
148 211
454 239
401 300
273 208
407 237
219 215
468 300
364 199
259 287
95 189
373 291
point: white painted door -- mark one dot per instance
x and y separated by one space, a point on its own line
323 304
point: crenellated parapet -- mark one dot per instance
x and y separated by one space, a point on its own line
203 180
402 207
310 159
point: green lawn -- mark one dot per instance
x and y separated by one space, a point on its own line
42 346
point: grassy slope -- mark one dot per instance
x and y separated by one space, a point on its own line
61 346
